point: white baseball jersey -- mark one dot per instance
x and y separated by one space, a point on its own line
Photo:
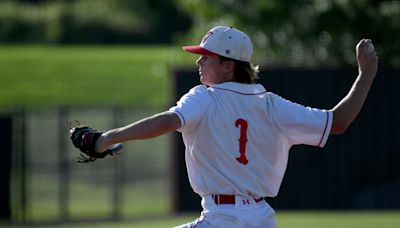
238 136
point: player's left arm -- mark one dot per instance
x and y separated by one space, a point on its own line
348 108
150 127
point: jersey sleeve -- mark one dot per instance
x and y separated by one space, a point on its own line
300 124
191 107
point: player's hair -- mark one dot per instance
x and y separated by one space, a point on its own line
244 72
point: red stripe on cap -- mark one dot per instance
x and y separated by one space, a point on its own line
197 50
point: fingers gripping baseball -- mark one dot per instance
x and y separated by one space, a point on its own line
367 57
84 138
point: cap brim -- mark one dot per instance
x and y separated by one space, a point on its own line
197 50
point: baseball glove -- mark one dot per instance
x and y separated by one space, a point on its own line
84 138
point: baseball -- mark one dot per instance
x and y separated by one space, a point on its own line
370 48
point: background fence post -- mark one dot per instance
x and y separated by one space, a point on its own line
5 167
117 168
64 172
19 168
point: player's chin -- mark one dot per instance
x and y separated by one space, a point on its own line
204 81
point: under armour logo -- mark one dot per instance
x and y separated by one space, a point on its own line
246 202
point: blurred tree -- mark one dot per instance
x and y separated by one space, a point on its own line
159 18
91 21
305 32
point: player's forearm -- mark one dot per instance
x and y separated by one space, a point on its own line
146 128
350 106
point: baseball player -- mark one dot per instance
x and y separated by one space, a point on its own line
237 134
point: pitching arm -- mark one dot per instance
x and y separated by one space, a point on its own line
150 127
348 108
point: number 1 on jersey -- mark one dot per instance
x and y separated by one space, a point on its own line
242 124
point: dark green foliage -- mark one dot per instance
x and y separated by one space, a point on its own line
285 32
307 32
96 21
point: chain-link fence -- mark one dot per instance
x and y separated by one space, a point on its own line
48 185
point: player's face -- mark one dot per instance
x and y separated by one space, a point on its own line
212 70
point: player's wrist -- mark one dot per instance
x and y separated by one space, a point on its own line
367 75
101 144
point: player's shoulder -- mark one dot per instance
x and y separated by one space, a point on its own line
274 98
198 93
198 89
277 102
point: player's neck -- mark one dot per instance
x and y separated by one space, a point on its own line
227 78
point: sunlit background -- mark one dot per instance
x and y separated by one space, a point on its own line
108 63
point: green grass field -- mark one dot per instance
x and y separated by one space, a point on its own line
48 76
285 219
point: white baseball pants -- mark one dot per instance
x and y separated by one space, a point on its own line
245 213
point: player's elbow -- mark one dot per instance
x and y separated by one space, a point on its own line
340 124
339 128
